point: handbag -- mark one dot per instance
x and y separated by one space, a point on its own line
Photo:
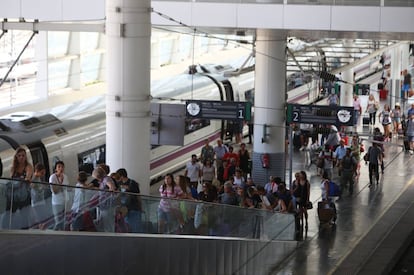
320 163
309 205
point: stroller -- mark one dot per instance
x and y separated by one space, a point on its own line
326 213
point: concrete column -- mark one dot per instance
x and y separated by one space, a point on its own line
74 70
155 54
405 56
347 89
102 73
395 76
42 75
269 108
405 62
348 77
128 26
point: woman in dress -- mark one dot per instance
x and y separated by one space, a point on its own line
304 190
396 118
372 107
386 121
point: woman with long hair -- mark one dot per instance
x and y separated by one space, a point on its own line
19 190
386 121
396 115
208 172
22 170
372 107
169 190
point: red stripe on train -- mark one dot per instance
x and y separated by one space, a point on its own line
184 150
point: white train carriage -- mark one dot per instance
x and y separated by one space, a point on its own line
75 133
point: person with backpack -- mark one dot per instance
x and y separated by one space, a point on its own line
348 166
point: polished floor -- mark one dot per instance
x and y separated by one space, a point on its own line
365 220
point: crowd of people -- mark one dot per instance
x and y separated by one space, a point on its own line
35 204
218 175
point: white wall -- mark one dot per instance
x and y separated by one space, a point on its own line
53 10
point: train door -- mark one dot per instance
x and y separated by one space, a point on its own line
39 155
7 149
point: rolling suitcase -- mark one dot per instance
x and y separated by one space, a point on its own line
365 122
406 144
383 94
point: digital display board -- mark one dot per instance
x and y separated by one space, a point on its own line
229 110
320 114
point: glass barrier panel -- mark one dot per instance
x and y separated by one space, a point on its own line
44 206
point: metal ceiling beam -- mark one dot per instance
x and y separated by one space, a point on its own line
85 26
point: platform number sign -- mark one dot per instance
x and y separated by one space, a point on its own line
229 110
319 114
295 116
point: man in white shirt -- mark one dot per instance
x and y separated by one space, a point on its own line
219 152
193 171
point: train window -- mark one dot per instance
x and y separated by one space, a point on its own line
88 160
192 125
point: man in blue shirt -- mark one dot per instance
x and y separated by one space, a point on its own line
410 111
340 152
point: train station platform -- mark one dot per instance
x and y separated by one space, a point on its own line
373 230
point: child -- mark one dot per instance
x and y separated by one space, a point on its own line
37 191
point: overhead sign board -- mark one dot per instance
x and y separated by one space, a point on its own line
229 110
320 114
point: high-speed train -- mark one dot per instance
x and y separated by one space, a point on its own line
75 133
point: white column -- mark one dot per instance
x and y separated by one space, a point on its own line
348 77
404 59
155 54
102 72
269 108
347 88
128 27
42 75
395 75
74 71
405 55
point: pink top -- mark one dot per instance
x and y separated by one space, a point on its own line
357 104
166 205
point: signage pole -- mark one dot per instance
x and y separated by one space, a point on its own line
290 156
